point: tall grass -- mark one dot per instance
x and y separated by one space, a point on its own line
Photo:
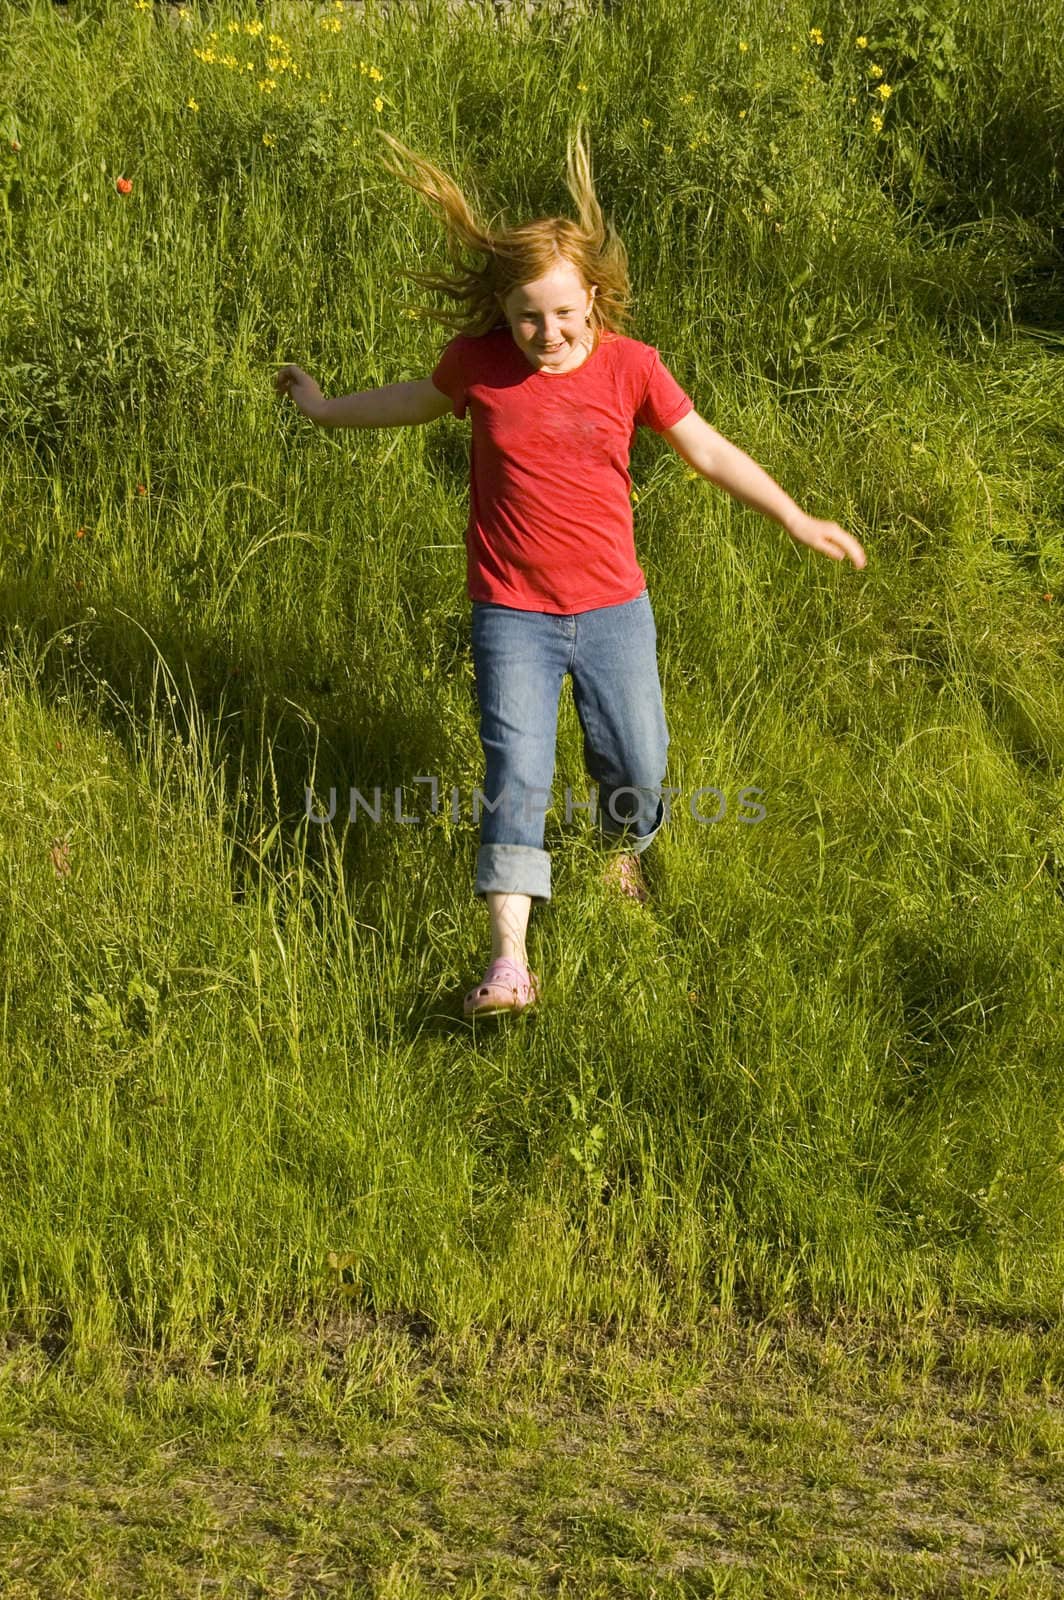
824 1071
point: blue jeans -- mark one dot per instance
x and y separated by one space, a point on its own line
519 661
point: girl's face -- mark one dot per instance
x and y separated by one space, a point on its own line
548 318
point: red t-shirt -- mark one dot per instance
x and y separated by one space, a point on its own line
550 514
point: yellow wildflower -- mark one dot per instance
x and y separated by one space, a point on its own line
230 62
323 99
647 122
192 106
685 99
378 104
874 71
885 90
233 27
268 140
275 42
743 45
142 5
267 85
877 122
816 36
253 28
331 24
374 72
742 113
862 42
582 87
635 497
667 149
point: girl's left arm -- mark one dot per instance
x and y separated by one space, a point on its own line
730 468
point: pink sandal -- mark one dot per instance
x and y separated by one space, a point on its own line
506 986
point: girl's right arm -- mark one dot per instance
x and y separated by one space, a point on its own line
396 405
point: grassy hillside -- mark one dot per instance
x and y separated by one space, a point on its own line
824 1071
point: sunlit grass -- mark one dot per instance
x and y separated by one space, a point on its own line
823 1071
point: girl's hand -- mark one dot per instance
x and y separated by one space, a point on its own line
828 538
302 389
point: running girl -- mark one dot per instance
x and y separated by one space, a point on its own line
554 390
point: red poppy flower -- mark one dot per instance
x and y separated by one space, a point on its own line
123 185
80 534
141 489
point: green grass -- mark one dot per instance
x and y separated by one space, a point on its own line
371 1462
818 1079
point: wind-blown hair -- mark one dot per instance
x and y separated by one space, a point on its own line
518 255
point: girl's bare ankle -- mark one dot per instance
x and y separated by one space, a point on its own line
509 952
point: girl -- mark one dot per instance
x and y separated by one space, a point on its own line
555 390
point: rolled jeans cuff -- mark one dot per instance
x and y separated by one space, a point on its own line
513 869
617 836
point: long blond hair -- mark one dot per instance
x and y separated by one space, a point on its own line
518 255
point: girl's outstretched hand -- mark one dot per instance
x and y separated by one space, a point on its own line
828 538
301 388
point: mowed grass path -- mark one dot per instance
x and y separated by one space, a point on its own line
780 1461
818 1081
